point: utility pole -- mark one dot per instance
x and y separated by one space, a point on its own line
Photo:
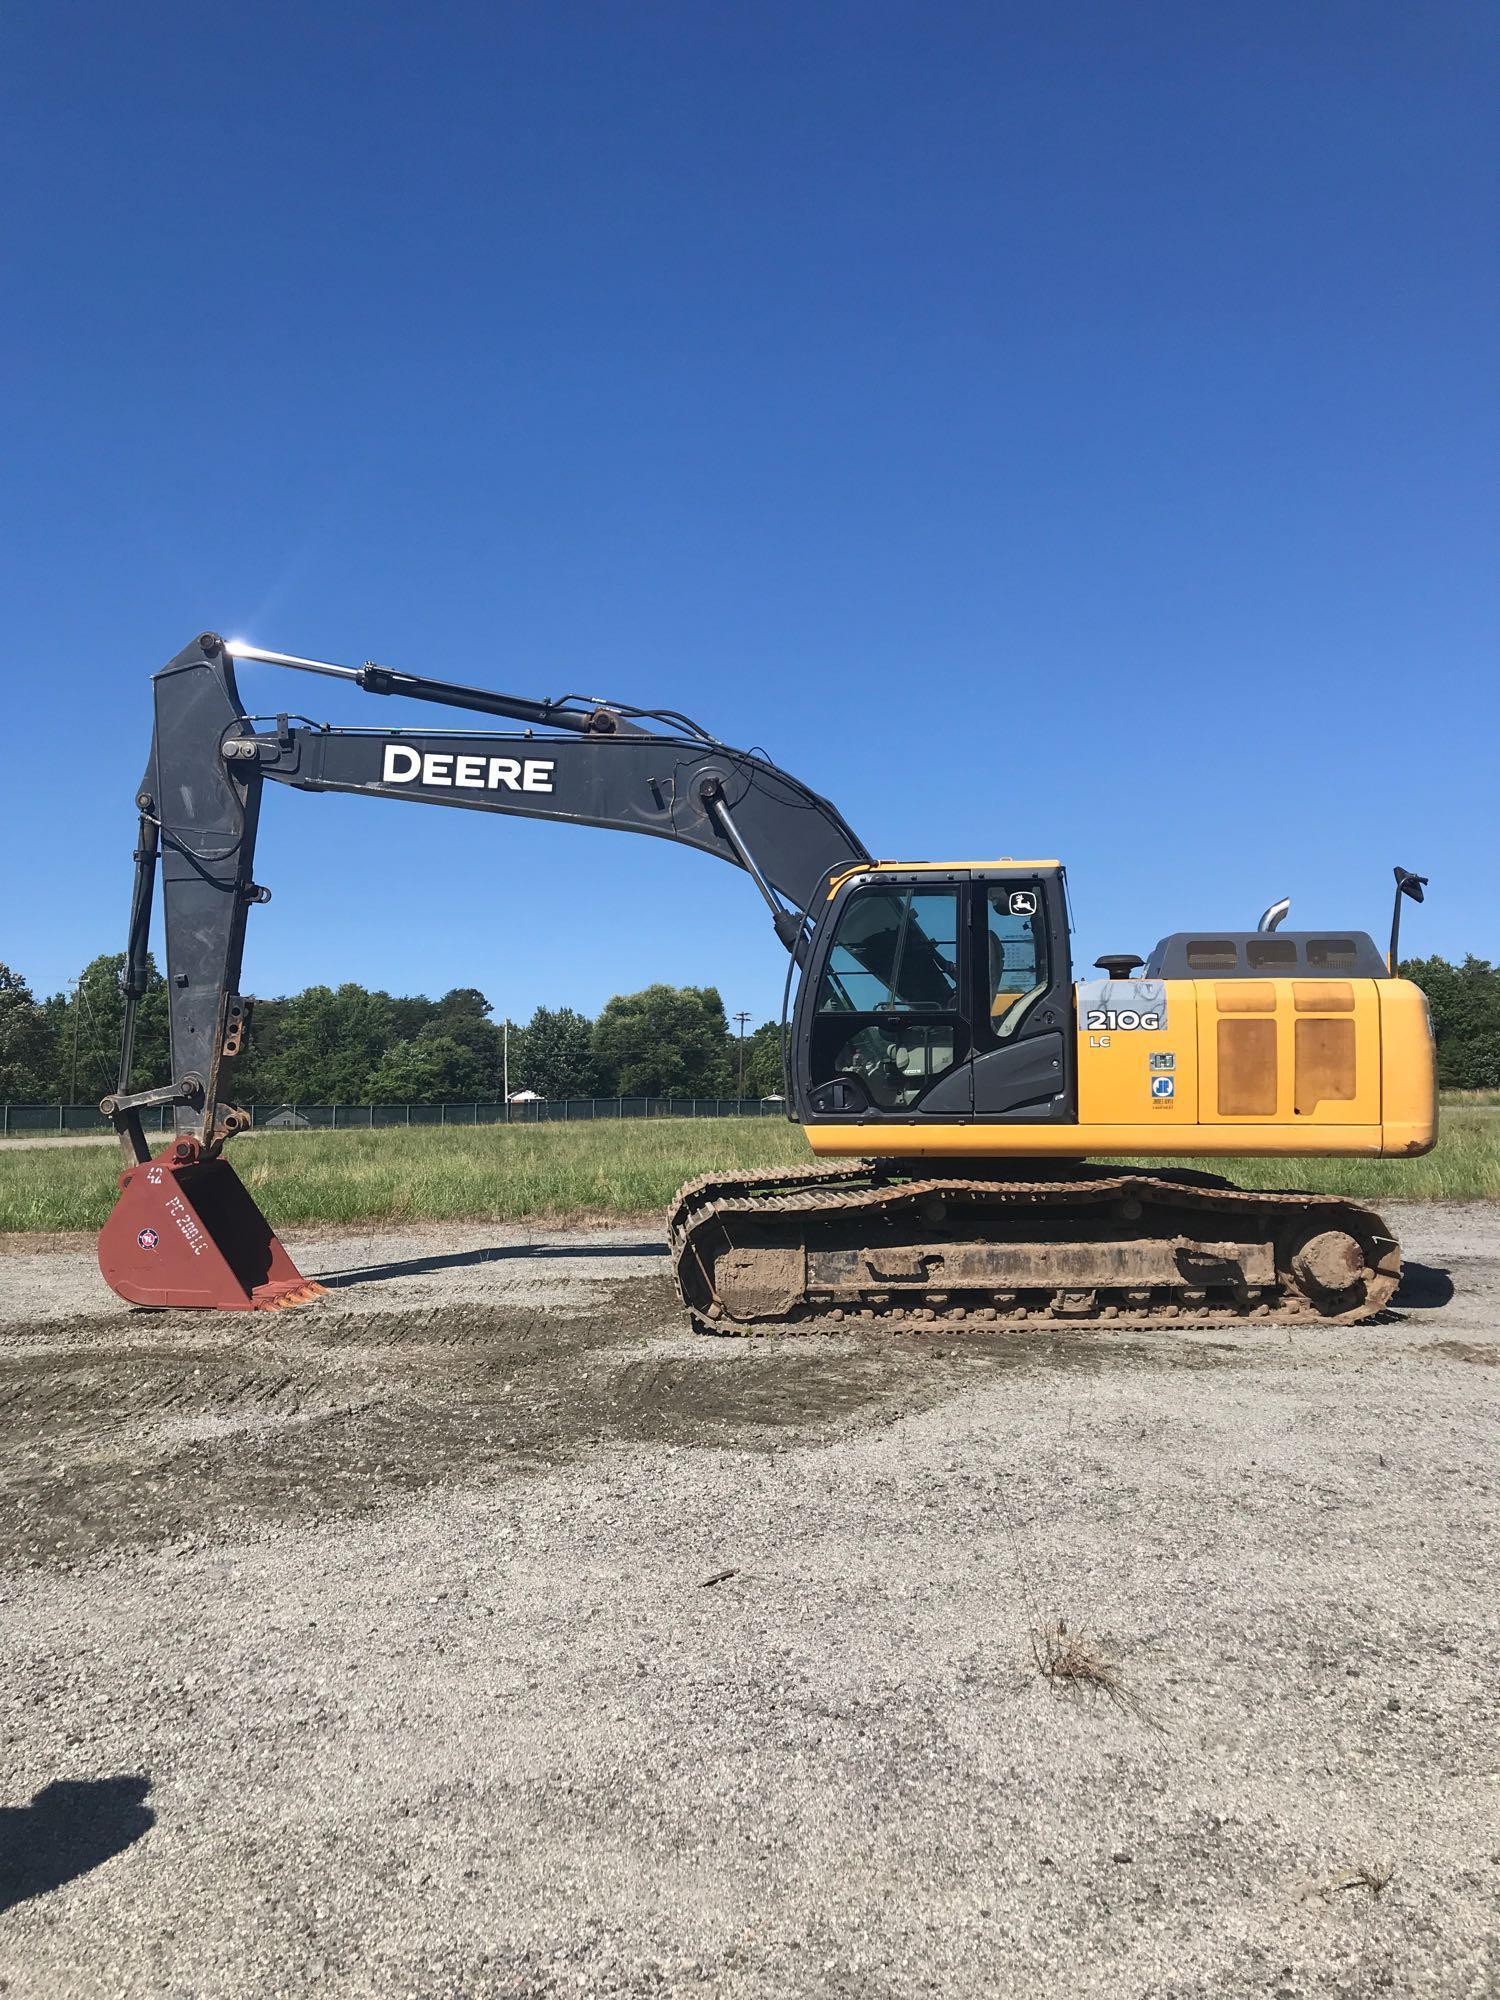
77 986
742 1019
505 1064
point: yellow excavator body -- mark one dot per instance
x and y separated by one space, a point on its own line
1257 1067
1230 1067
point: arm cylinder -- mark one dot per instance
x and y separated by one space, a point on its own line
138 943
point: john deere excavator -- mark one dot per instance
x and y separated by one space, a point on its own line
957 1085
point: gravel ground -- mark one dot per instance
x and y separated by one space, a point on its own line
377 1648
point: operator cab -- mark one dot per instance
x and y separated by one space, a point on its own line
938 991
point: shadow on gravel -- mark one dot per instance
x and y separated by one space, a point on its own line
71 1826
1423 1287
415 1267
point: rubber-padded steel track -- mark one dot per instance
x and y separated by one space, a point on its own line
817 1249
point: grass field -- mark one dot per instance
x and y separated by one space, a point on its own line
516 1173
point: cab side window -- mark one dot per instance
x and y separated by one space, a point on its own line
1018 969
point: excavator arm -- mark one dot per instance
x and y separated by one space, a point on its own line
185 1230
590 763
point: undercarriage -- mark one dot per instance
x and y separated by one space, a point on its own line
871 1244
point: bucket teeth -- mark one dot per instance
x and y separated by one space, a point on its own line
302 1296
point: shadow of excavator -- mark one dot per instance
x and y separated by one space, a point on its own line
1424 1287
71 1826
375 1274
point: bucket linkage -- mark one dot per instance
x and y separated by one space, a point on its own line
186 1231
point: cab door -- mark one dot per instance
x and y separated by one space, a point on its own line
883 1028
1024 1063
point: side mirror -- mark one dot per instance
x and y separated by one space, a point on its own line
1407 884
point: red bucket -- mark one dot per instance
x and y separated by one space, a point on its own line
187 1232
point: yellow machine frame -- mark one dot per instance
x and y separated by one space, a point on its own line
1292 1067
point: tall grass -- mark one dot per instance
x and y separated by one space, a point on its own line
514 1173
440 1174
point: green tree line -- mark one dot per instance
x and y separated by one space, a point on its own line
348 1045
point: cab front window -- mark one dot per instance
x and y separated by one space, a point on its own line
889 1016
896 951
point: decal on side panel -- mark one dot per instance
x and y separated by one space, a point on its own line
1123 1004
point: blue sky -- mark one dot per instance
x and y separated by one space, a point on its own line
1060 430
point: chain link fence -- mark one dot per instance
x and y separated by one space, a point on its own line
21 1120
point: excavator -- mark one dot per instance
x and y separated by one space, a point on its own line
960 1090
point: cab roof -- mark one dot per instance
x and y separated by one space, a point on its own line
999 861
